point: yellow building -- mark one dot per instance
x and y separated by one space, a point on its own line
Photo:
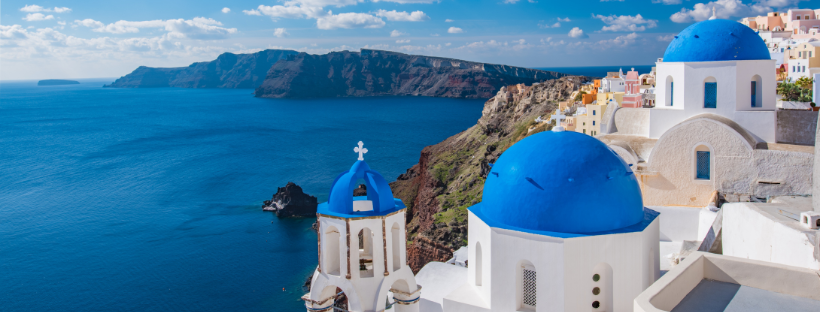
590 123
807 50
569 123
604 97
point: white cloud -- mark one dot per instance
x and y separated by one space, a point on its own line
566 19
666 38
455 30
33 8
448 21
280 32
36 17
576 32
396 33
395 16
226 10
626 22
667 2
511 1
725 9
556 25
403 41
288 11
196 28
621 41
349 20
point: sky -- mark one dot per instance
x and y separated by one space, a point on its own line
94 39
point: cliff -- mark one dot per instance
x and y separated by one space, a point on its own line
384 73
291 201
449 177
233 71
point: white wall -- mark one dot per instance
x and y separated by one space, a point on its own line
751 233
734 94
678 223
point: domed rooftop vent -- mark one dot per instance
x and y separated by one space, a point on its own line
564 182
379 199
716 40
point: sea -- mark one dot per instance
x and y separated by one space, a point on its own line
150 199
598 71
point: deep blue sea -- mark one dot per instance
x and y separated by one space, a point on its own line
149 199
598 71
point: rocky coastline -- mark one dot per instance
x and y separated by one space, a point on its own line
449 177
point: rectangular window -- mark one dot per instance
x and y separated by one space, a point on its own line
593 122
710 95
671 93
528 286
804 69
703 165
792 68
754 93
593 112
799 54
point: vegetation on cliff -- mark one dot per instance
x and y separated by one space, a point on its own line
449 177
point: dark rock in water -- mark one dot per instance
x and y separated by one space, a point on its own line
291 201
308 281
56 82
360 191
385 73
230 71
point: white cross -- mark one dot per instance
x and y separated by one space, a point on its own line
361 150
558 119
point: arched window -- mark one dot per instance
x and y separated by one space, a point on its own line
366 253
710 93
703 163
757 98
527 286
332 256
670 90
478 265
601 284
395 236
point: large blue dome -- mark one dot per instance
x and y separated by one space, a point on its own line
716 40
564 182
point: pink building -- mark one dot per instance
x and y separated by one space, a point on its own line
632 90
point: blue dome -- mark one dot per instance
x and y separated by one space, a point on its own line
716 40
340 202
564 182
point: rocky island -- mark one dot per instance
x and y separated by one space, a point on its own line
291 74
56 82
291 201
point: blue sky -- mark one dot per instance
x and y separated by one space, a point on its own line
86 39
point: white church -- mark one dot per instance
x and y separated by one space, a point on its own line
570 222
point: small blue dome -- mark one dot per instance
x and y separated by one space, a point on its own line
716 40
564 182
340 202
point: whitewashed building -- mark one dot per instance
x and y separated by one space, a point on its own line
716 67
362 247
539 241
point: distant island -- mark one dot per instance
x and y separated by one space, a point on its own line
56 82
291 74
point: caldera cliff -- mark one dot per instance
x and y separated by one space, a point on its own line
449 177
290 74
385 73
